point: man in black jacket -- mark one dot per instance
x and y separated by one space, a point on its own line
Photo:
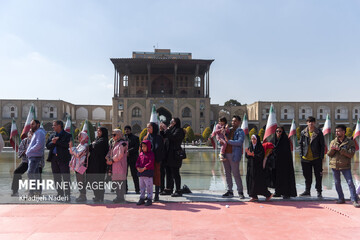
59 156
312 150
133 153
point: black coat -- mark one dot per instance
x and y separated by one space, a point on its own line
284 169
62 146
157 143
133 146
98 150
174 137
255 177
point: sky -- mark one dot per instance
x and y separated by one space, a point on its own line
278 50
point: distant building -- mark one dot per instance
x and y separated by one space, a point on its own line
177 84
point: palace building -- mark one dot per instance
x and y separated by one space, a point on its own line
176 83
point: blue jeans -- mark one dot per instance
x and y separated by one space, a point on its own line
33 171
347 175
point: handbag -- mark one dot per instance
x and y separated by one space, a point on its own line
181 153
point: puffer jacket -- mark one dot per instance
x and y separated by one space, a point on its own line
341 160
316 142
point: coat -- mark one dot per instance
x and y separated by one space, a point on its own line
341 160
98 151
146 160
62 146
174 136
317 143
237 144
118 153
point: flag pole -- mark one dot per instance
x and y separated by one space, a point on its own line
294 147
15 154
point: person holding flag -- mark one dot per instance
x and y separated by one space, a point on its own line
59 156
312 150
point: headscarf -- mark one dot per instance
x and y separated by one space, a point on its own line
84 138
104 133
258 147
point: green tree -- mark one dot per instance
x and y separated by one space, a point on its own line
231 103
190 136
252 132
349 132
261 134
76 133
143 134
298 133
206 133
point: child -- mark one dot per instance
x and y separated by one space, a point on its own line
220 130
145 167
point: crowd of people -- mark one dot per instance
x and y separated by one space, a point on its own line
157 159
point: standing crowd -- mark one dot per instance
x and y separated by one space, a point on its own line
157 160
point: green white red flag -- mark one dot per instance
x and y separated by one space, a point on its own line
357 135
245 125
14 136
31 116
68 127
86 129
292 135
327 132
2 143
271 124
154 118
213 137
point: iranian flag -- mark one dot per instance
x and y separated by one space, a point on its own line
31 116
327 132
271 124
292 135
245 128
2 143
86 129
154 118
212 137
68 127
14 136
357 135
41 125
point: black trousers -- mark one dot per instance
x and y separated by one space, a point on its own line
96 179
133 170
61 173
81 178
19 171
174 177
307 172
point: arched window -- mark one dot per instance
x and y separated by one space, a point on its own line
305 112
126 81
322 112
197 81
186 112
136 112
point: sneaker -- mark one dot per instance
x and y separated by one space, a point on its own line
356 204
228 194
140 202
81 198
118 200
269 198
340 201
166 192
241 195
15 194
148 202
305 194
319 195
286 197
176 194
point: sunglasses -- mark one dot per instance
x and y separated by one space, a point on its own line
113 135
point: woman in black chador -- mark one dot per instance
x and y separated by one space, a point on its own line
284 169
255 177
97 164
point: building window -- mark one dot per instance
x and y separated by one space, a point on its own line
13 109
197 81
338 117
285 110
136 112
303 116
51 115
321 111
12 115
356 111
126 81
338 111
285 117
201 114
303 111
186 112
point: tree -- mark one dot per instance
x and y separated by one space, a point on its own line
231 103
206 133
298 133
261 134
142 134
190 136
349 132
252 132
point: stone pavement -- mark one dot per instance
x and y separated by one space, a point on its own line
189 220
